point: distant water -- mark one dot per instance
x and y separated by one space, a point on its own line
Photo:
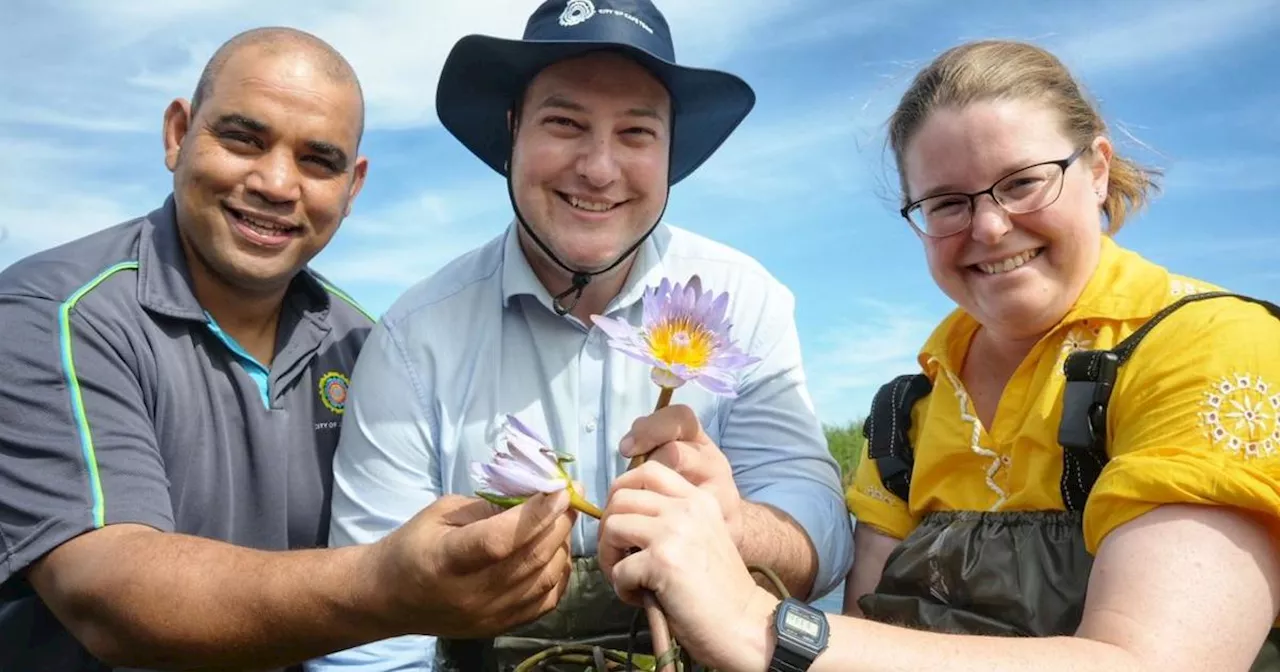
832 601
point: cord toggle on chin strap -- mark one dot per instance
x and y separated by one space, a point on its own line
579 283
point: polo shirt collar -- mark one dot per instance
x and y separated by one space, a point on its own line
164 279
518 277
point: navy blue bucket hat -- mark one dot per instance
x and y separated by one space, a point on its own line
484 76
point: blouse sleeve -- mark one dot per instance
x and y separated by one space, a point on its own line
1194 419
873 505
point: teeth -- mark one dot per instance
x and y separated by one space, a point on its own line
589 205
261 226
1008 264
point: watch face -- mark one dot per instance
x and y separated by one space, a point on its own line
802 625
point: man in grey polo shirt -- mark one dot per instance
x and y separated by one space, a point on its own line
171 391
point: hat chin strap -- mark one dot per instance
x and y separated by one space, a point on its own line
580 278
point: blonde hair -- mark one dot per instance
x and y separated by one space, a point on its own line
998 69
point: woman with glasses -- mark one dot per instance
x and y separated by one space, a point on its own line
1043 492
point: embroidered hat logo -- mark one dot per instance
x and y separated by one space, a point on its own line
577 11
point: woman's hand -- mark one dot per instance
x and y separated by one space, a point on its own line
662 534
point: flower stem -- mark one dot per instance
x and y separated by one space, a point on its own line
659 633
664 398
578 502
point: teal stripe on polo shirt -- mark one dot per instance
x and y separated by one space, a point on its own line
259 373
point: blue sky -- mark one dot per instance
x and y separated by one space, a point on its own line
804 185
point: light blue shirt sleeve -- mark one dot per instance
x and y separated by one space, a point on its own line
384 472
775 442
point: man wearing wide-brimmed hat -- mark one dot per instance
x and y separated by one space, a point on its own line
591 121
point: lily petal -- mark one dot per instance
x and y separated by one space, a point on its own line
716 385
524 429
508 481
615 328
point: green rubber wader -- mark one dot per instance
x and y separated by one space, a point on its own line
1014 574
589 613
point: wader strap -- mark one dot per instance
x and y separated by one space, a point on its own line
1091 376
886 430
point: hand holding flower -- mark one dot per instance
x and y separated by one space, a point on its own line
527 467
661 535
674 437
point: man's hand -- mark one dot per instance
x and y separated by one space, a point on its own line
659 533
463 567
136 597
673 436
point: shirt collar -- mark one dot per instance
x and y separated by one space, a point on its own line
164 279
1124 286
518 277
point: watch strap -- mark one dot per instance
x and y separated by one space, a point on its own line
787 661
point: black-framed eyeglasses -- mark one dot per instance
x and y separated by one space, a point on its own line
1025 190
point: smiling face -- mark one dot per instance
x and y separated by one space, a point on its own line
266 169
1018 275
589 165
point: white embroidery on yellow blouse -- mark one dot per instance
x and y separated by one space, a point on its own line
878 493
1079 338
1239 416
975 443
1180 287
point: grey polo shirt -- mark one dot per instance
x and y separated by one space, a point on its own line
122 402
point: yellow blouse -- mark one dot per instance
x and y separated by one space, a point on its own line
1192 419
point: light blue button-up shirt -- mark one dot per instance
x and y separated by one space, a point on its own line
479 340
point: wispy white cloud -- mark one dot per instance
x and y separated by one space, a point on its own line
395 245
141 53
786 156
821 22
38 211
1242 248
1151 37
1242 172
850 360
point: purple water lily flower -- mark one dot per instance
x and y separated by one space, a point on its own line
684 336
527 467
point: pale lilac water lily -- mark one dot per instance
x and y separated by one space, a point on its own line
526 467
684 336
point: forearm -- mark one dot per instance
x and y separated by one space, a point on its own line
772 539
172 601
858 645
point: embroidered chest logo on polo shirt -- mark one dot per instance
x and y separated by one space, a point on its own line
333 391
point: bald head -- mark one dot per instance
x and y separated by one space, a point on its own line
275 41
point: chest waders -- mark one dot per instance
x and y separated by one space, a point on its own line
1006 573
590 614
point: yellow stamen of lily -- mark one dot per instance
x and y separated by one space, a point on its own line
681 341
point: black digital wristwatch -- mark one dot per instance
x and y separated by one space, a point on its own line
801 632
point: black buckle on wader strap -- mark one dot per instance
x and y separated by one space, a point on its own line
1082 432
886 430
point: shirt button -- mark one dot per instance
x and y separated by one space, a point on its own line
590 426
